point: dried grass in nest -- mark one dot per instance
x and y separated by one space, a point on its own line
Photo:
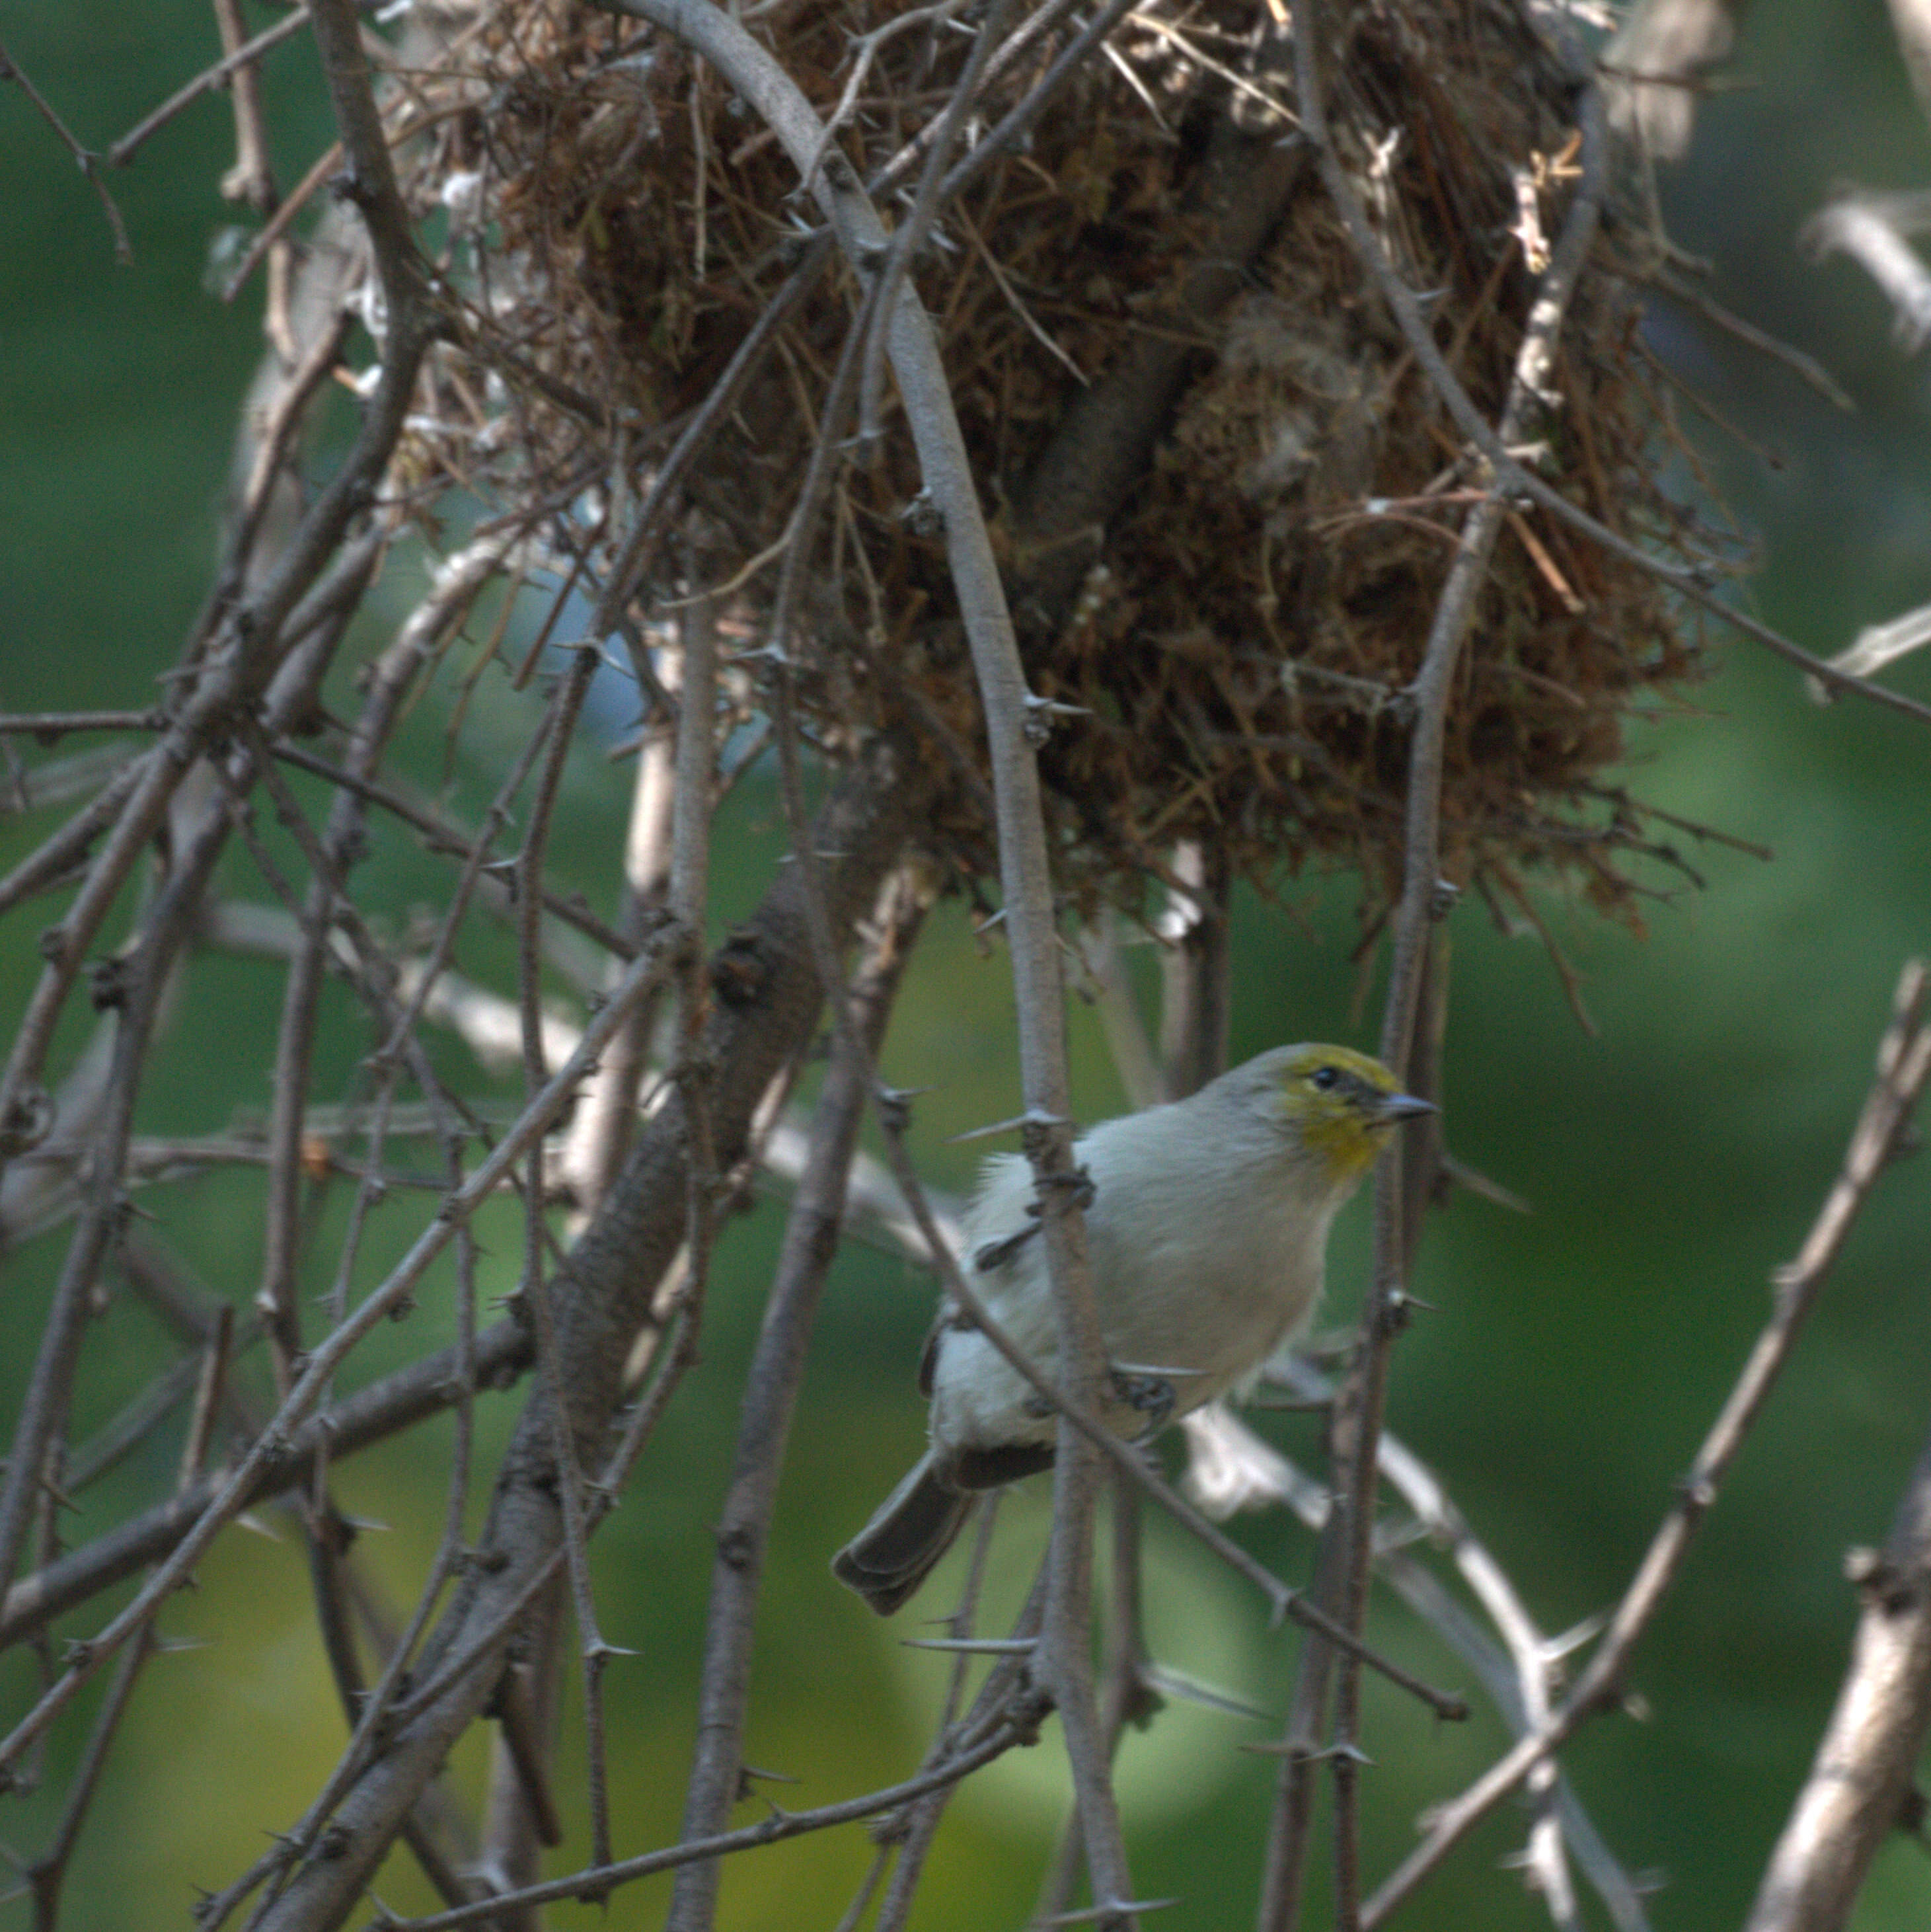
1240 649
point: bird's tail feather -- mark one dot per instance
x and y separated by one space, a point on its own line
908 1533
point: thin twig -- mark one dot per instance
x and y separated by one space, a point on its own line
1510 475
603 1878
395 1403
84 159
1806 368
1196 970
278 224
633 560
138 987
916 1825
58 855
206 82
394 677
48 1872
1230 1468
605 1293
447 840
46 726
571 691
601 1129
229 682
913 233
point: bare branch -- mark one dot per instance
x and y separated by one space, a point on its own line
534 1288
1877 645
1230 1468
448 841
914 233
1859 1789
1009 1731
206 82
49 1871
397 1402
1196 974
87 161
1065 1665
771 1393
231 678
48 725
1359 1411
1872 229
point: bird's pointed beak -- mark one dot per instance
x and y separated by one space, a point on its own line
1396 1108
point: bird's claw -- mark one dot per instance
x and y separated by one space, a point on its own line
1146 1395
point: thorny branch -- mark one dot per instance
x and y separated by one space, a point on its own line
1859 1789
396 1402
535 1287
245 655
305 1395
1904 1065
999 1739
1424 900
603 1297
245 56
1064 1665
771 1393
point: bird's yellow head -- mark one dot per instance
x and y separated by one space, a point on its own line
1340 1105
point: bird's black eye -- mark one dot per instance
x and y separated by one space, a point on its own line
1326 1077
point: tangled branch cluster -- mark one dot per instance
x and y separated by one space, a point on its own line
1243 331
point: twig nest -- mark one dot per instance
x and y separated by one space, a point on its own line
1235 639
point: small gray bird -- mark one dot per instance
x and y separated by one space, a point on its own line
1207 1229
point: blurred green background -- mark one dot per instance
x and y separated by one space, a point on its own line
1577 1354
